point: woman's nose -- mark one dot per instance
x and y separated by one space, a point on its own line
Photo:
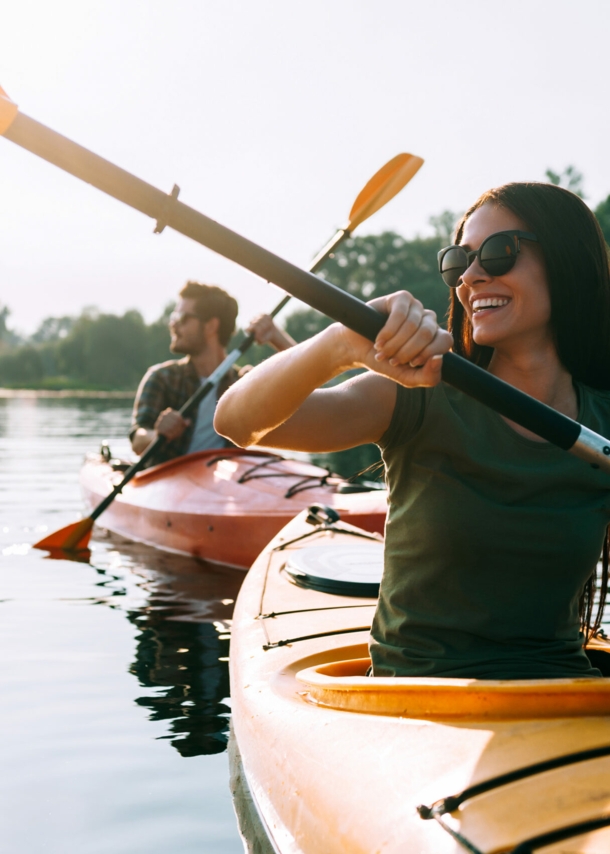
475 273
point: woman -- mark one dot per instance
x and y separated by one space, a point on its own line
493 535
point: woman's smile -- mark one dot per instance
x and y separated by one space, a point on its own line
488 303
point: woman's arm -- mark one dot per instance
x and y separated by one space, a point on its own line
277 404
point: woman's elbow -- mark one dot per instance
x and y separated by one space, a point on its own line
228 423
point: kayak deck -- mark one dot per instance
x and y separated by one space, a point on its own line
221 505
338 762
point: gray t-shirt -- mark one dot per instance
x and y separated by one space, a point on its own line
204 436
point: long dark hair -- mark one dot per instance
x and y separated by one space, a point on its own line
578 275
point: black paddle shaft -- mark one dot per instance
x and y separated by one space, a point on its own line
330 300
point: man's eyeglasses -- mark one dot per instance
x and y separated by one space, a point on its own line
177 318
496 255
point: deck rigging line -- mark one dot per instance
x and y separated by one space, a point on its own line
253 473
452 802
276 644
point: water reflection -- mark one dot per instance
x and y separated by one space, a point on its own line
187 662
85 771
183 620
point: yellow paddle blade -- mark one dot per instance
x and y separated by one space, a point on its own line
74 537
383 186
8 111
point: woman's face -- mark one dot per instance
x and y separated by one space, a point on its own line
521 317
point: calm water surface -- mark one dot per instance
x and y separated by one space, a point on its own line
114 672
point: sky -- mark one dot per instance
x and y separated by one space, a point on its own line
271 116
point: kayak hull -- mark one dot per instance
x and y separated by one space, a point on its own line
223 506
334 766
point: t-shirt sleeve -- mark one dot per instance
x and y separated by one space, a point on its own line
407 417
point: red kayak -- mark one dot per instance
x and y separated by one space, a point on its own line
222 505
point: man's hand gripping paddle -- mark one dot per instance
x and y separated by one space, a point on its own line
382 187
337 304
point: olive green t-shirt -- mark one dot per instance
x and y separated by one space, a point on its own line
489 541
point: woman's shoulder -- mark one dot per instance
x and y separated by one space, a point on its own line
594 408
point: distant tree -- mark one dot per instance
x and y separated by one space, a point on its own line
158 338
444 225
105 350
53 329
571 179
8 338
21 366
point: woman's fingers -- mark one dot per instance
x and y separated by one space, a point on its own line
408 335
405 315
412 349
441 342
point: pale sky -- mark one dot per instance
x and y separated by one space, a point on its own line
271 115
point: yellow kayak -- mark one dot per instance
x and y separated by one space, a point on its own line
326 760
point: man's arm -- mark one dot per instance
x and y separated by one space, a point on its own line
150 417
169 424
266 332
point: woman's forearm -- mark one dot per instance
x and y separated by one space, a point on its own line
273 391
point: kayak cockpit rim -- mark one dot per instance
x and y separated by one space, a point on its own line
343 685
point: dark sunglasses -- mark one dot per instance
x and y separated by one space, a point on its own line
177 318
496 255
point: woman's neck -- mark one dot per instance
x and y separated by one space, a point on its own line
540 374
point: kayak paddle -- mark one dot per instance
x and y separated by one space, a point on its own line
382 187
340 305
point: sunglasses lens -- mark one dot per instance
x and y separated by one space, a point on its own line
453 264
498 254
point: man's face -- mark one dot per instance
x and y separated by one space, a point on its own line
186 330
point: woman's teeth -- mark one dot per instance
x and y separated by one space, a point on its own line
491 302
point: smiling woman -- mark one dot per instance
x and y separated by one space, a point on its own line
493 536
572 250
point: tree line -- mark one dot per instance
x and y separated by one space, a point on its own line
106 351
89 351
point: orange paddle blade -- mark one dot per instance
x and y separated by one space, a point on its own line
74 537
383 186
8 111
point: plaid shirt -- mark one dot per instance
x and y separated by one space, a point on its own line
169 385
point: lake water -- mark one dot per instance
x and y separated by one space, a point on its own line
114 673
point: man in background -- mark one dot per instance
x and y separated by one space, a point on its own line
200 328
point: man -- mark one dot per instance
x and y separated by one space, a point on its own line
200 328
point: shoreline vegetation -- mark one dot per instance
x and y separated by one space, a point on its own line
97 355
28 393
105 355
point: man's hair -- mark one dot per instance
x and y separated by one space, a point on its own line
576 260
211 301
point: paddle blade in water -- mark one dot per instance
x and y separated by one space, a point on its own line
72 538
383 186
81 556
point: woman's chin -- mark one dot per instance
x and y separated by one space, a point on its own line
484 339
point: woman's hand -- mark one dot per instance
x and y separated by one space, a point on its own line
410 347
